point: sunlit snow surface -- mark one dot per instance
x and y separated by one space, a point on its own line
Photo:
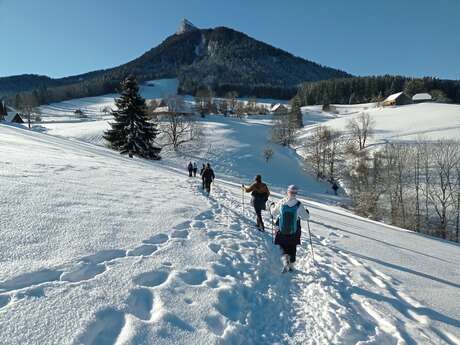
96 248
424 121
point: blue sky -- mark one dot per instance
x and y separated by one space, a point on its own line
363 37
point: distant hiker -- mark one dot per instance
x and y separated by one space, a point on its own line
260 194
190 169
201 173
289 211
208 177
195 168
335 187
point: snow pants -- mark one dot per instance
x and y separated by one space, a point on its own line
288 243
207 185
290 250
260 222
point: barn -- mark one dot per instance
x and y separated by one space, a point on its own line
421 98
279 109
13 117
396 99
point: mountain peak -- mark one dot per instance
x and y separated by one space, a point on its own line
185 26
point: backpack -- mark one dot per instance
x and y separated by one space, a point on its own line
288 223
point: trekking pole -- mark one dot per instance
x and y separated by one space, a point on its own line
273 225
242 196
311 243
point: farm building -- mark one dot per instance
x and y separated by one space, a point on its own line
13 117
9 114
165 110
421 97
396 99
279 109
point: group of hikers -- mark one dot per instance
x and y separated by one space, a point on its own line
288 212
207 174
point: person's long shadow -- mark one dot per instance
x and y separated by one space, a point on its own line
380 241
404 307
400 268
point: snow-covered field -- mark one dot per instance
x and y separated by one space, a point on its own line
100 249
97 108
424 121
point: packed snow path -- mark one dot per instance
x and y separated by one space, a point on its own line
194 270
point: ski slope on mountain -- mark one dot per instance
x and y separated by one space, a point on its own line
100 249
424 121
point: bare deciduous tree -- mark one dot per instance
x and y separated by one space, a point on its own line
268 153
231 99
178 128
323 149
284 129
361 128
441 194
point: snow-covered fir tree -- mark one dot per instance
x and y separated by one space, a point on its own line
131 133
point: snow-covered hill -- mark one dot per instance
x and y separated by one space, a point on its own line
100 249
96 108
424 121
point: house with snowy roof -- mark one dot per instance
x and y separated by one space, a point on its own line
396 99
278 109
421 97
9 114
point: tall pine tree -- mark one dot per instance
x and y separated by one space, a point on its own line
296 112
131 133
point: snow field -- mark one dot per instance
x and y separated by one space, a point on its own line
120 251
94 107
424 121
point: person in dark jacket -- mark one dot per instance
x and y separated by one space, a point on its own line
260 194
335 187
195 168
201 174
190 169
208 177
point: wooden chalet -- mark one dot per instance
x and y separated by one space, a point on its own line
396 99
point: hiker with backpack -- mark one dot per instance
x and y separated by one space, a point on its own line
289 211
208 177
190 169
260 194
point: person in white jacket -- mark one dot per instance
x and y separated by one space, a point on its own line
289 211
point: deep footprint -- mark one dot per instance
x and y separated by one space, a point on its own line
230 305
152 279
179 234
4 300
157 239
30 279
105 329
140 303
104 255
145 249
216 324
214 247
193 276
84 271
